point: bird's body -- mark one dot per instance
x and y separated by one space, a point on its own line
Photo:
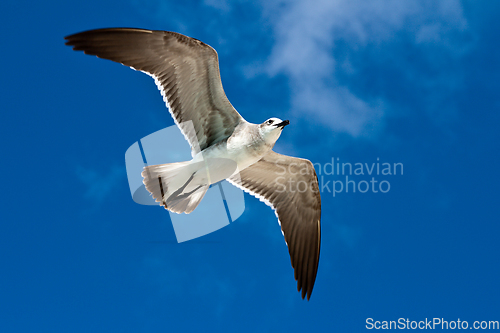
245 146
249 142
223 144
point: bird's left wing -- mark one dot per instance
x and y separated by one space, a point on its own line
290 186
185 69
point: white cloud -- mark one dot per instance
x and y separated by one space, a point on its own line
306 34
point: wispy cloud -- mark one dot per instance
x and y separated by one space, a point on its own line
307 35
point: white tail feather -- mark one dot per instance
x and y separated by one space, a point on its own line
179 187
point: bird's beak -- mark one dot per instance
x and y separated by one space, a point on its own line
283 123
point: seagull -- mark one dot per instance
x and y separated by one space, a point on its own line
223 144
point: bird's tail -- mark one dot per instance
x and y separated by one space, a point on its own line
176 186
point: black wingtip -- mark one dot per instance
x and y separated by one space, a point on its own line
72 40
309 294
306 294
67 40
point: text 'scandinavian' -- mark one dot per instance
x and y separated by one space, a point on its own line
224 145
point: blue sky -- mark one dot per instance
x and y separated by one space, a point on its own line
413 82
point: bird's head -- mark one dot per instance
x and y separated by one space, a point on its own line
271 129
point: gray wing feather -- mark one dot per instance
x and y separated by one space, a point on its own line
185 69
297 205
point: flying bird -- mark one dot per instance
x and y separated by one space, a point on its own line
223 144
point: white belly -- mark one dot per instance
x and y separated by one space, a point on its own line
221 162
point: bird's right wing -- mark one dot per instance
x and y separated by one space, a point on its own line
185 69
290 186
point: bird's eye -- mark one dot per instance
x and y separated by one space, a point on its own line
270 121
